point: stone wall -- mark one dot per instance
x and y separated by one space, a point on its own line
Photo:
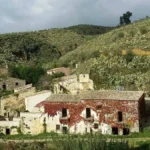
73 84
10 83
9 105
103 118
10 127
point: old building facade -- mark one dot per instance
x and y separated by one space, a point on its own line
10 83
73 84
108 112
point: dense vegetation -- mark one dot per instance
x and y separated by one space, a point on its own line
76 142
89 29
28 73
119 59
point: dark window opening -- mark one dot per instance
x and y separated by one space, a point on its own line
16 83
64 112
57 127
5 107
4 86
91 131
126 131
7 131
120 118
8 114
88 112
95 125
115 130
64 130
5 114
85 130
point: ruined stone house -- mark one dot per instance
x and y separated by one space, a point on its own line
10 83
72 84
23 97
12 104
108 112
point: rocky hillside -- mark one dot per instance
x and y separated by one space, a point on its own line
119 59
42 47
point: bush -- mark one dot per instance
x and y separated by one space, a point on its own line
30 74
120 34
143 30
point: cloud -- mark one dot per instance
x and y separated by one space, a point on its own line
23 15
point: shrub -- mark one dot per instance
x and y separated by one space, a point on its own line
120 34
30 74
143 30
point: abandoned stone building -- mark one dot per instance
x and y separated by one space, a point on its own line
108 112
12 104
10 83
72 84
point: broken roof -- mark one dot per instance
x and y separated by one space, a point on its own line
99 95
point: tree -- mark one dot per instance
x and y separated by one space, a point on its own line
125 19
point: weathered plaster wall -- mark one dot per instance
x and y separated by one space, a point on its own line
16 100
11 125
11 83
32 123
32 101
103 112
73 84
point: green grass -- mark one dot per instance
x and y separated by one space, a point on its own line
76 142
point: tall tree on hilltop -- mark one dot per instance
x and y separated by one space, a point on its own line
125 19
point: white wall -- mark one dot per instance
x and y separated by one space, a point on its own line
32 101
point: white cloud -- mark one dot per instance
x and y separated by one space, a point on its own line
23 15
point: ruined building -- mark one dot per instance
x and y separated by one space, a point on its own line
10 83
108 112
72 84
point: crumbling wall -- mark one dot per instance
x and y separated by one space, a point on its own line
10 83
9 104
104 115
73 84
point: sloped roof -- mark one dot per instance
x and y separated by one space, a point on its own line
63 98
112 95
99 95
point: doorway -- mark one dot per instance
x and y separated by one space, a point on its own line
7 131
114 130
64 130
88 112
126 131
4 86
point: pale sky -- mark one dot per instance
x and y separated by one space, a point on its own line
28 15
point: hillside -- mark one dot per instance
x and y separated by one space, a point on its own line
89 29
41 47
117 59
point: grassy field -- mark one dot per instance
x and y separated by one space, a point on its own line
76 142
